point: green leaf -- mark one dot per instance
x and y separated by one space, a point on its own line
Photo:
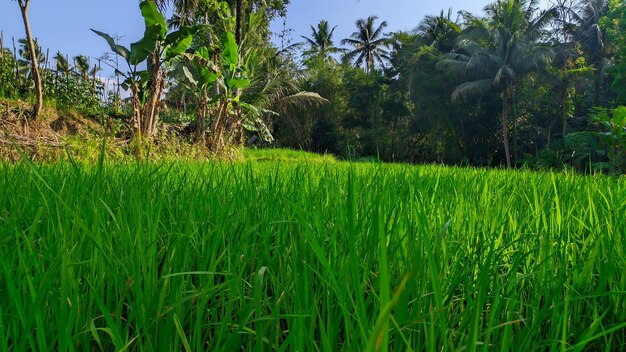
189 76
153 17
144 75
619 116
118 49
178 42
231 50
140 50
210 78
203 52
239 83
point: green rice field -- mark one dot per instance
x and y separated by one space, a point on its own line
292 255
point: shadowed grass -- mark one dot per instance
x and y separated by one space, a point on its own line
309 256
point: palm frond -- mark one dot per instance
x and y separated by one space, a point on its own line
472 89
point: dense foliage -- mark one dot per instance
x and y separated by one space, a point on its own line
518 85
67 86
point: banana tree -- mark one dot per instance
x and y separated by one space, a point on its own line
218 82
614 137
157 49
200 77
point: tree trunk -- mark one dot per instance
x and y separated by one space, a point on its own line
136 116
505 127
239 21
17 67
202 112
564 108
33 55
157 85
597 99
514 119
239 39
217 130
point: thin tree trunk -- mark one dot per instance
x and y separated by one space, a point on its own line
217 129
202 112
549 137
45 72
151 110
93 76
564 108
597 100
239 21
17 67
117 77
239 38
31 48
160 104
505 128
183 103
514 119
136 116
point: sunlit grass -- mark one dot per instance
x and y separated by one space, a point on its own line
280 155
309 256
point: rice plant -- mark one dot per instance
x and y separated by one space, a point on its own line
280 256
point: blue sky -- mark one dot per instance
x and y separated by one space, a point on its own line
63 25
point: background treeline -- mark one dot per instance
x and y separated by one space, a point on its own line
454 89
515 85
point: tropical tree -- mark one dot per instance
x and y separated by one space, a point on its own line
62 66
24 4
157 49
26 57
81 62
440 31
321 41
593 37
277 92
498 53
369 44
615 23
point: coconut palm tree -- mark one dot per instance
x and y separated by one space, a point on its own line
321 40
505 47
62 66
369 44
24 52
439 31
593 38
26 57
279 91
81 64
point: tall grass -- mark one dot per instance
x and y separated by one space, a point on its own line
309 256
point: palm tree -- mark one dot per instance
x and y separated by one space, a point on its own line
25 53
368 42
439 31
321 41
62 65
279 91
82 66
593 37
505 49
